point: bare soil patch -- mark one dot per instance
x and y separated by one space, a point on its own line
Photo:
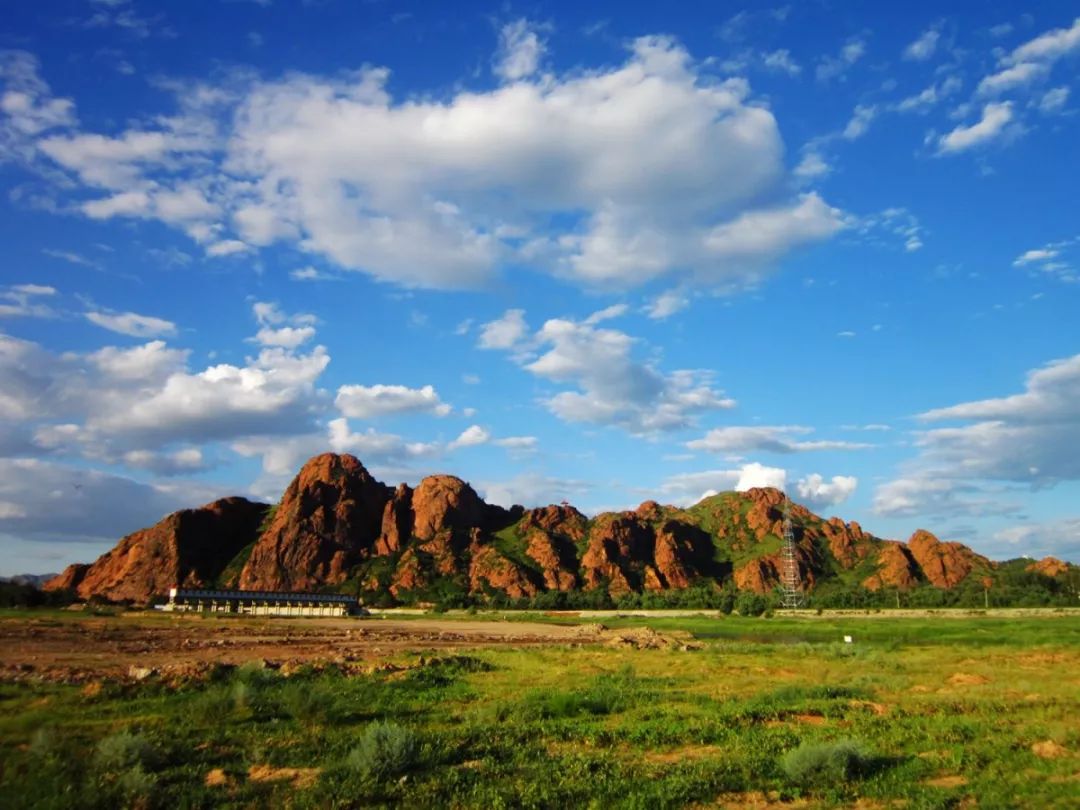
689 752
756 799
216 778
967 679
86 649
947 781
300 777
1048 749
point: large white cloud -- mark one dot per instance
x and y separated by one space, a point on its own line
1027 438
372 401
69 504
817 493
1059 538
612 387
122 405
686 489
927 492
650 168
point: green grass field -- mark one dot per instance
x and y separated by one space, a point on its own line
921 713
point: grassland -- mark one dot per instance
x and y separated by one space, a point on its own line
922 713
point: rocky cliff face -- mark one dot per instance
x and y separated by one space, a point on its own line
944 564
336 523
331 513
190 548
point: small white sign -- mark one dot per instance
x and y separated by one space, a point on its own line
847 639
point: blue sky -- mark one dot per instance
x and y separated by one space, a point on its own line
596 252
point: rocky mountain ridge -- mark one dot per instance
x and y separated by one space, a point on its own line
337 527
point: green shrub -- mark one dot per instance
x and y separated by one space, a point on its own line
830 763
749 603
255 673
607 693
385 750
213 704
123 750
308 704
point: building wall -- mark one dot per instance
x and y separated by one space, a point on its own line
257 609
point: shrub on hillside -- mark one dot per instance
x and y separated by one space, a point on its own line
829 763
385 750
123 750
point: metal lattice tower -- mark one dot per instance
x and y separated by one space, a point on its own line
790 581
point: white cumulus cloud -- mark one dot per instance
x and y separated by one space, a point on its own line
774 439
130 323
995 117
520 50
373 401
818 493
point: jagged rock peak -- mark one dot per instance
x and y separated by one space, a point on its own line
329 516
445 502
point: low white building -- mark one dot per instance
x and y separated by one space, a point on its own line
263 603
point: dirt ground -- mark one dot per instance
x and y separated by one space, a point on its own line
83 648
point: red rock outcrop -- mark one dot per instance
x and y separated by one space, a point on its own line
650 510
330 513
445 502
491 568
896 568
943 564
617 546
189 548
760 575
397 522
1049 566
848 543
409 575
673 554
563 520
68 579
335 521
551 534
559 572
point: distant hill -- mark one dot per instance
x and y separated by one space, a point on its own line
35 580
337 528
